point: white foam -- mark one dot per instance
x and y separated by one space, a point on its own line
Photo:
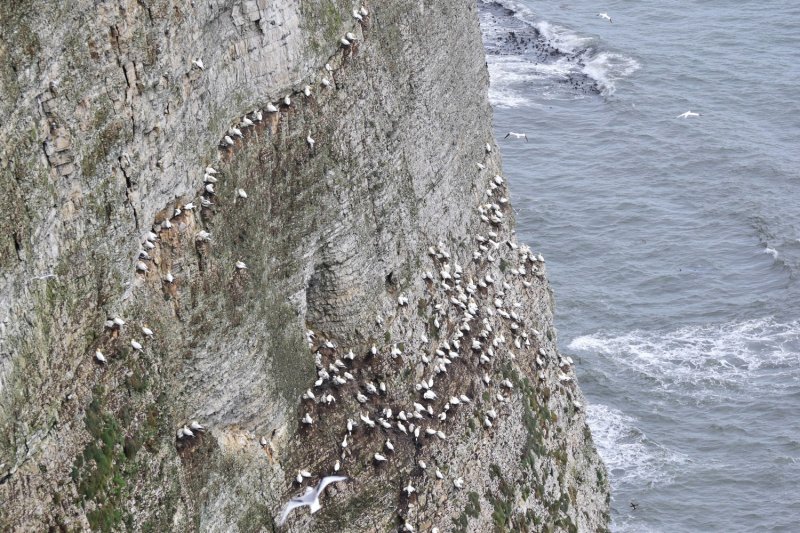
606 68
512 78
631 457
509 74
563 39
705 356
771 251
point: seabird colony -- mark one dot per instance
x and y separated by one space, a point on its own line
475 325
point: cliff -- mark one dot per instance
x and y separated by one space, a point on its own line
375 180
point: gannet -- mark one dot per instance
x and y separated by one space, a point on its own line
408 489
147 331
357 16
136 345
439 474
209 188
246 122
99 356
389 445
325 82
516 136
363 11
203 236
689 114
379 458
169 278
349 36
307 419
240 265
141 266
310 498
287 101
235 132
195 425
310 141
228 141
198 63
241 193
271 108
458 483
208 178
605 16
187 432
344 41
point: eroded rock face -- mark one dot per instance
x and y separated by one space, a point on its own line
111 113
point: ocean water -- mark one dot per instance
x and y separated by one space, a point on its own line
673 244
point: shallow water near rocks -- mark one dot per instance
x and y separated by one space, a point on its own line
673 244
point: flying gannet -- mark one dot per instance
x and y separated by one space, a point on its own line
516 136
310 498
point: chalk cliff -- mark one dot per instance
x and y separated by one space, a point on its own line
339 203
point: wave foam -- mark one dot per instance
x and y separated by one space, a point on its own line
567 56
717 354
629 455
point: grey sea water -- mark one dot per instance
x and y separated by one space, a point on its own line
673 244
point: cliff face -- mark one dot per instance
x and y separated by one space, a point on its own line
108 123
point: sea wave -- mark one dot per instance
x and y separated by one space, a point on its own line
630 456
704 356
542 52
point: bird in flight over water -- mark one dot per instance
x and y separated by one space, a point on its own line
516 136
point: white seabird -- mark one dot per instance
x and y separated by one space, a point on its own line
516 136
227 141
241 193
141 266
240 265
310 498
198 63
310 141
287 101
408 489
136 345
100 357
307 419
147 331
689 114
271 108
210 170
605 16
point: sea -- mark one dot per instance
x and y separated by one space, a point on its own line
672 244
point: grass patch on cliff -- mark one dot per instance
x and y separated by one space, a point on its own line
101 471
